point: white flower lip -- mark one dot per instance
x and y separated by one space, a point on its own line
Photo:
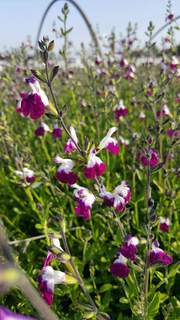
66 164
84 194
107 139
121 259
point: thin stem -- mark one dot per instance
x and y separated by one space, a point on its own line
59 112
16 242
146 268
76 272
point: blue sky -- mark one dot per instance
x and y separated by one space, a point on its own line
20 18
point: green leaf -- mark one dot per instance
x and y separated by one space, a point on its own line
123 300
105 287
153 306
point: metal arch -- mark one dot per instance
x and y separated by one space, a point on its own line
85 18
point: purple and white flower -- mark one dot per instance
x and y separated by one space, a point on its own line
33 104
157 255
26 174
111 144
84 201
42 130
129 247
164 224
64 172
119 267
120 110
47 281
95 166
57 132
70 145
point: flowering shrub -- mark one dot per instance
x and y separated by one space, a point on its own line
89 180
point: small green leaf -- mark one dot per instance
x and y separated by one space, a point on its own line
105 287
123 300
153 307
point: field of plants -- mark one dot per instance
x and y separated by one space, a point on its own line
89 177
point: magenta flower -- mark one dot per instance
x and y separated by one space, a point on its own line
170 17
33 104
84 202
6 314
157 255
149 157
64 172
174 63
130 73
57 132
120 110
110 143
124 191
164 224
129 248
173 133
119 267
70 145
47 281
123 63
163 112
26 174
118 198
42 130
95 166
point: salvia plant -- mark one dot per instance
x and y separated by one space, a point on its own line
89 178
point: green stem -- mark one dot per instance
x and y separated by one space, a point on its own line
76 272
146 268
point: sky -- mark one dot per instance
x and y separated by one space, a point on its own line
21 18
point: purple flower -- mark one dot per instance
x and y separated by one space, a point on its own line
119 267
110 143
129 248
57 132
33 104
163 112
64 172
84 202
41 130
6 314
120 110
26 174
164 224
47 280
149 157
70 145
118 198
157 255
123 63
95 166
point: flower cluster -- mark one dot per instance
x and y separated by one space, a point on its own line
128 250
149 157
118 198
